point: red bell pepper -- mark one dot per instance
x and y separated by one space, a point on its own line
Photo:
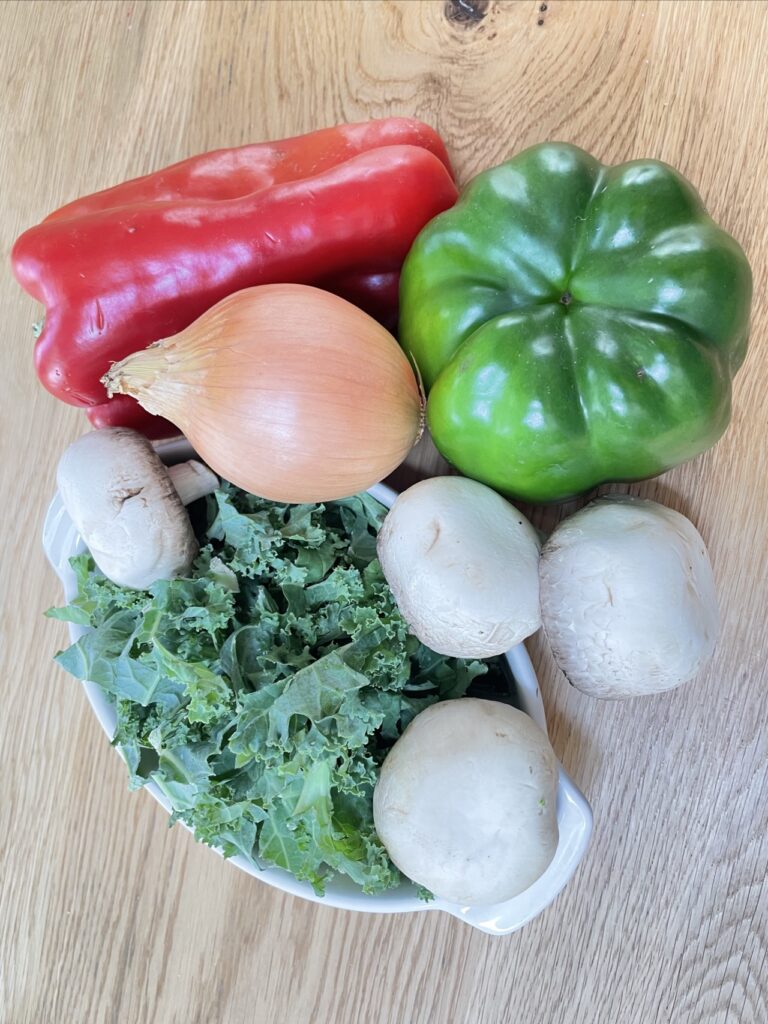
122 268
234 173
124 411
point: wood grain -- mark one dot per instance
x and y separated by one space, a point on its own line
105 914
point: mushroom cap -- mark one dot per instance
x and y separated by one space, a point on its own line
466 804
125 507
628 598
462 563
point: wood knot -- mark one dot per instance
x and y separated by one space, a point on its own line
467 13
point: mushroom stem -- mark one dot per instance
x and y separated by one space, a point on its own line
192 480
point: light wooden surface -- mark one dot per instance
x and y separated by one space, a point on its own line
105 914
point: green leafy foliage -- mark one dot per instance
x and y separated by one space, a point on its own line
262 693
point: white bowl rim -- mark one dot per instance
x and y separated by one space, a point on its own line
574 815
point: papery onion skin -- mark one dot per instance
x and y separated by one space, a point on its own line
285 390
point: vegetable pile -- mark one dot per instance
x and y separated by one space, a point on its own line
564 322
262 691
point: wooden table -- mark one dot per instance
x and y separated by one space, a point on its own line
105 914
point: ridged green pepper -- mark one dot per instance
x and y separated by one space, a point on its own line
575 323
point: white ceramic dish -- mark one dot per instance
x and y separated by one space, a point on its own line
574 816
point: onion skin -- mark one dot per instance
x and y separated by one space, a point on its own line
285 390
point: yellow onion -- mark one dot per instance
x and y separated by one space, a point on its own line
287 391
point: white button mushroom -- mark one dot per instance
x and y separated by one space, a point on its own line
628 598
462 564
465 803
129 508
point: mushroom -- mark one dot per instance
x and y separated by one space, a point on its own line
462 564
129 508
465 803
628 598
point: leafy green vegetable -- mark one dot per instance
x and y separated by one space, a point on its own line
262 693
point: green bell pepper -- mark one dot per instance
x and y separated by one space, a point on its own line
575 323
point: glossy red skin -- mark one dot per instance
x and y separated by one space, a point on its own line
377 294
234 173
116 279
124 411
